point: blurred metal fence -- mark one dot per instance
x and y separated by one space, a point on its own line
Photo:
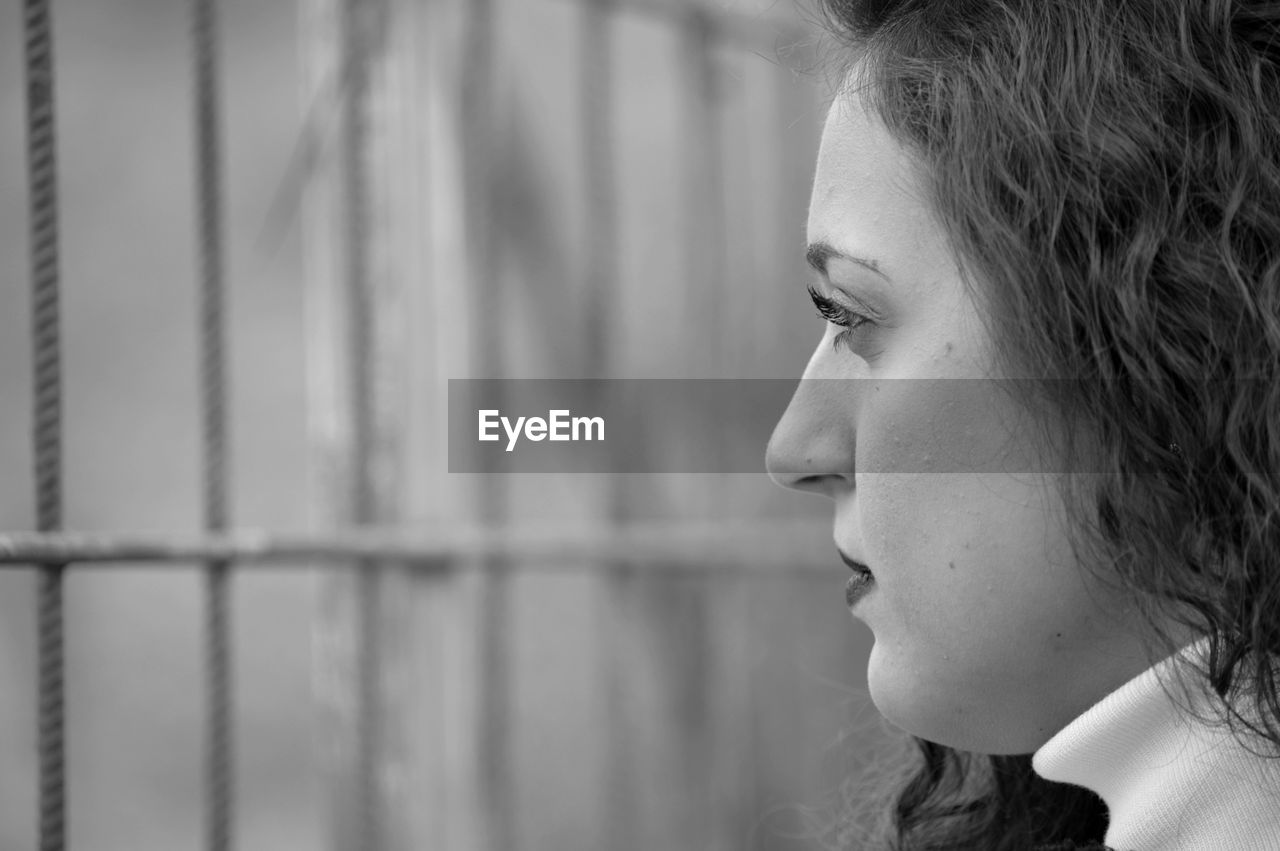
368 540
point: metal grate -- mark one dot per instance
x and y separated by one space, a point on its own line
220 548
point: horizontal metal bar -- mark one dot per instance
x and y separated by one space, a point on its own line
761 30
767 547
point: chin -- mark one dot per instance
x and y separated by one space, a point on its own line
897 694
917 702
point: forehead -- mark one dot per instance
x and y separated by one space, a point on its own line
868 195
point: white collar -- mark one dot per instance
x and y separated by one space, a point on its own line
1170 782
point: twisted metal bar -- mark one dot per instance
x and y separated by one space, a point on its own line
219 763
357 47
42 174
44 265
53 795
755 546
219 760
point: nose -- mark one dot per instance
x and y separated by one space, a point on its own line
813 446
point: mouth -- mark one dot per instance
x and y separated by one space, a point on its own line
855 566
860 583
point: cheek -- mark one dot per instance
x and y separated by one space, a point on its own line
976 570
944 425
926 492
916 509
922 534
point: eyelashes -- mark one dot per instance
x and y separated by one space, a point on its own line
839 315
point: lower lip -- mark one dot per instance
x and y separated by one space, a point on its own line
858 586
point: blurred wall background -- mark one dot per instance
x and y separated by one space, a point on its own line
676 710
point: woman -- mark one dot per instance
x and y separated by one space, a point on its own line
1069 565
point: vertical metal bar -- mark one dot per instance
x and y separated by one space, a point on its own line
370 732
478 136
357 393
356 57
704 182
493 747
358 285
597 86
693 668
596 77
489 355
218 745
47 424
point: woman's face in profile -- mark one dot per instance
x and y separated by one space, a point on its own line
988 636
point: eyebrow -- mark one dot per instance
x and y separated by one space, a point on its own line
818 253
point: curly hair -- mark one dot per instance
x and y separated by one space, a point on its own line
1108 172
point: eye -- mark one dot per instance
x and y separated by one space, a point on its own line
838 314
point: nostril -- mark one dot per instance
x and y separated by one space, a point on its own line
819 483
826 483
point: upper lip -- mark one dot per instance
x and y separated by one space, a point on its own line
853 564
